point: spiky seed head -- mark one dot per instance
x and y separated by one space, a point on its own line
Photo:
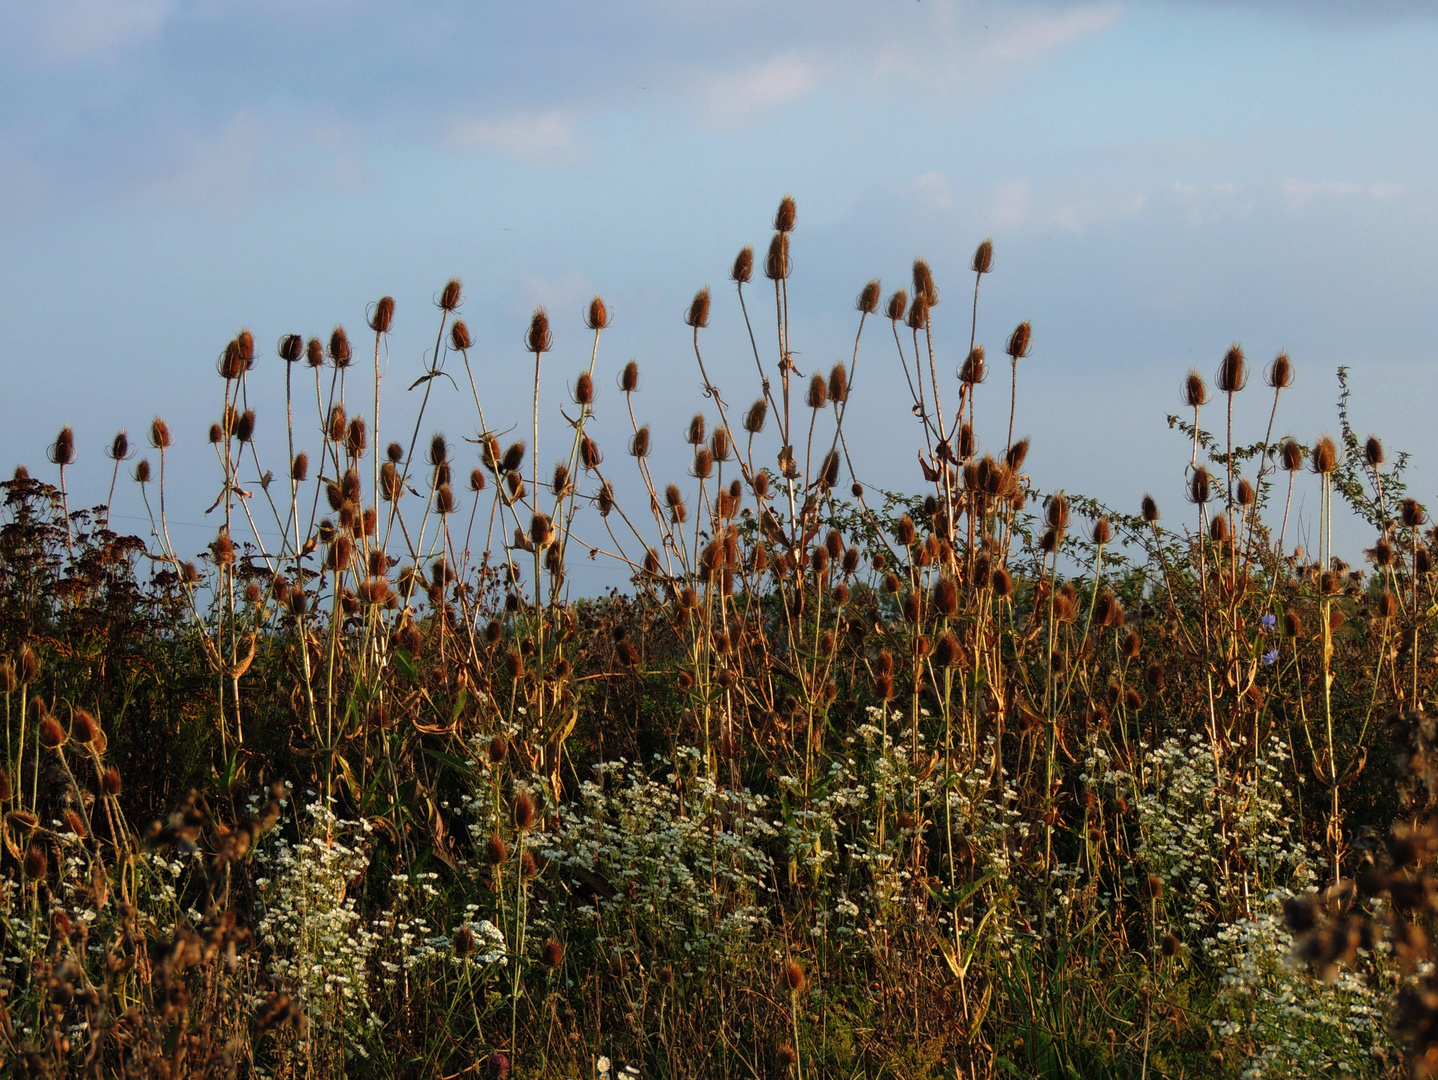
818 395
1102 533
553 953
697 430
513 457
597 317
1195 390
703 463
838 384
1016 455
1199 486
1218 528
315 353
1149 509
639 444
1291 456
1373 452
629 377
793 976
1246 495
290 348
340 352
1153 887
381 316
698 314
583 393
160 437
37 863
523 811
974 370
459 339
897 306
924 283
1020 341
1232 371
784 216
1292 625
1324 458
946 597
142 471
905 533
495 850
1056 512
52 735
743 266
1411 513
755 417
245 426
983 260
868 299
1280 373
776 263
1387 606
85 728
539 340
28 666
719 444
449 296
110 781
300 468
918 316
216 434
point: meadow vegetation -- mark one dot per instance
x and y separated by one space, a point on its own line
968 781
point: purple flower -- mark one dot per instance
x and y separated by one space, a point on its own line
1270 657
1269 622
497 1064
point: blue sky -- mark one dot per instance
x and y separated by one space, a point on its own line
1159 179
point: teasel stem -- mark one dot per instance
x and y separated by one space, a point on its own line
754 345
418 420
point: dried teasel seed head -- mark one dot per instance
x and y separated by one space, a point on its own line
905 532
1246 495
300 468
1411 513
1149 509
76 824
1056 513
838 384
142 471
818 395
340 352
698 314
110 781
52 735
459 339
315 353
1373 452
1153 887
1324 458
1218 529
1020 341
639 444
495 850
793 976
755 417
897 306
513 458
1280 373
1016 455
784 216
290 348
918 317
1291 456
216 435
523 811
946 596
743 269
119 447
583 393
597 317
84 729
160 437
538 339
697 430
1387 606
868 299
37 863
776 263
1194 390
1199 486
974 369
1292 625
629 377
357 440
1102 532
245 426
983 260
719 444
553 953
449 296
924 284
381 317
1232 371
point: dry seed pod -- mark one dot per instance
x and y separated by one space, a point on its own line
1280 373
1325 456
897 306
290 348
983 260
1149 509
597 317
698 314
924 284
1232 371
1019 342
340 352
1373 452
382 316
776 263
449 297
629 378
784 216
868 299
743 266
459 339
1195 390
539 339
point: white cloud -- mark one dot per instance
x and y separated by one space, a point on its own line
70 30
933 188
221 171
1011 203
774 83
534 138
1300 192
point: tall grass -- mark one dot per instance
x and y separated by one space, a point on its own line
971 781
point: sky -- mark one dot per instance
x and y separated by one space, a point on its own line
1160 180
